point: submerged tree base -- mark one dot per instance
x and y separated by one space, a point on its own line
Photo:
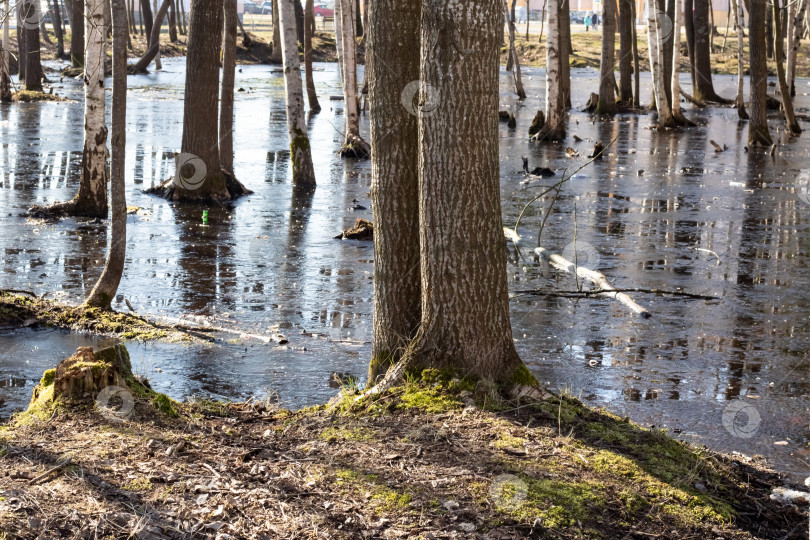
53 212
29 96
355 147
436 457
168 190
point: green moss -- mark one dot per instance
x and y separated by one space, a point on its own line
48 378
507 441
523 377
341 432
164 404
381 497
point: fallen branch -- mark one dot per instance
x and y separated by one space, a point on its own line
586 294
46 474
596 278
692 100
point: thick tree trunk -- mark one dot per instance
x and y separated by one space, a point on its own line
784 89
796 21
107 285
655 32
153 51
739 102
354 145
309 29
276 56
704 87
607 80
465 304
77 34
228 84
516 76
626 24
392 69
92 198
554 128
31 59
300 152
56 18
758 132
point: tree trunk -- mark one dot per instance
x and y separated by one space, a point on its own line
275 55
626 24
784 89
465 322
300 153
31 58
528 18
309 27
146 16
796 20
667 11
338 39
5 77
172 22
636 71
521 93
228 83
133 27
92 198
542 20
607 80
704 88
43 30
299 22
107 285
769 32
758 132
554 128
565 53
22 54
183 13
689 27
354 145
676 71
358 17
152 42
56 18
510 34
153 50
739 102
77 34
655 33
392 66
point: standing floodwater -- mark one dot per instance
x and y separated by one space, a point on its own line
662 210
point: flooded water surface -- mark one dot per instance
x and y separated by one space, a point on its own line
661 211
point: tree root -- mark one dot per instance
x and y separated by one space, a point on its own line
355 147
53 212
167 190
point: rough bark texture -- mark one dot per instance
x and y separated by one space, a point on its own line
607 80
513 55
704 88
626 24
275 55
300 153
554 127
758 132
77 33
784 89
465 304
107 286
309 29
228 82
392 66
31 58
92 198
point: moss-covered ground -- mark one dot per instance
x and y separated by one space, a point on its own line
437 457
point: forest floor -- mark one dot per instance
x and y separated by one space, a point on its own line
435 458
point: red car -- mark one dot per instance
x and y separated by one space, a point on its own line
323 11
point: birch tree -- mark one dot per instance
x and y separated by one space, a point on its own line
655 38
784 89
392 61
354 145
107 285
300 153
795 29
554 128
607 80
739 102
5 78
513 55
758 132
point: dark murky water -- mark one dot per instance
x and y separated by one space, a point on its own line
728 225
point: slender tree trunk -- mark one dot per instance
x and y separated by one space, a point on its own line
667 14
465 304
565 52
542 20
146 16
56 18
784 89
5 77
626 51
510 27
704 87
172 22
92 198
655 29
133 26
739 102
796 20
309 27
275 55
392 69
676 71
728 25
769 32
157 23
607 80
107 285
43 30
516 76
22 46
689 26
636 71
108 17
153 49
183 12
528 18
300 152
299 22
338 39
31 59
358 18
228 84
77 33
554 128
758 132
354 145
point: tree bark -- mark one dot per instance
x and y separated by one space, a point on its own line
392 68
338 39
739 102
107 285
769 32
667 9
689 27
92 198
172 22
56 18
5 77
758 132
676 71
299 22
626 24
354 145
704 87
655 33
77 34
607 80
228 84
275 54
300 152
565 53
465 322
796 20
309 28
636 71
510 25
31 59
784 89
554 128
153 51
516 76
146 16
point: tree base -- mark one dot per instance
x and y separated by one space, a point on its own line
355 147
71 208
537 124
550 133
167 190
